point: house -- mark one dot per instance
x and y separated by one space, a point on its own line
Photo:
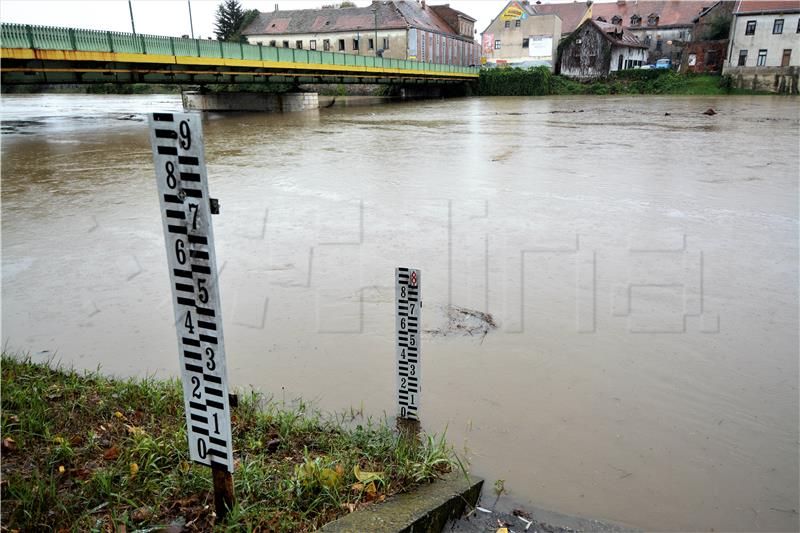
522 37
764 51
596 49
708 48
401 29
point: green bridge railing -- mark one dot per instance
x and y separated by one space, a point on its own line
55 38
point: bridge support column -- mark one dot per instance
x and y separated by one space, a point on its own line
271 103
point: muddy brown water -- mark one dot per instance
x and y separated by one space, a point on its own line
642 271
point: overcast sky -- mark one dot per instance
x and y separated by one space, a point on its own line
171 17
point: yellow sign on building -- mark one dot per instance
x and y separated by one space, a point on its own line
513 12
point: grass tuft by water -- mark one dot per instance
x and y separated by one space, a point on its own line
83 452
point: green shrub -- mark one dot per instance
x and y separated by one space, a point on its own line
534 81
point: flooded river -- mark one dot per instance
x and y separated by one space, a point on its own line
642 270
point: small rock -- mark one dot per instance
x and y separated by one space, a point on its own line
709 112
272 445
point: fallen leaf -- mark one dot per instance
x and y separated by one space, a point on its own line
357 487
502 530
59 440
119 415
133 430
111 454
13 418
185 467
9 445
366 477
61 469
141 514
134 469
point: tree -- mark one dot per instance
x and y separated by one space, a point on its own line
231 20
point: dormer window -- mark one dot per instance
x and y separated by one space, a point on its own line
617 20
652 20
601 19
636 20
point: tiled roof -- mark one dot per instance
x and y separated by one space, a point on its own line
669 12
391 15
617 35
770 6
570 14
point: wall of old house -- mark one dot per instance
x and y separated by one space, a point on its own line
663 42
511 39
430 47
629 57
397 41
586 54
764 39
705 56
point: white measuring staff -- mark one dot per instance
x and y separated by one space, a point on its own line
186 208
408 326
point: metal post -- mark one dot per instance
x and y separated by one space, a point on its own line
375 13
223 491
130 8
191 24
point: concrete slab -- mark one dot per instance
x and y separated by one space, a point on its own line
425 510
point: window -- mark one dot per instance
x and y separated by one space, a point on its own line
762 58
616 20
798 25
272 43
312 44
370 44
682 35
742 58
601 19
525 43
517 23
341 45
751 28
508 24
652 20
497 44
286 44
385 43
636 20
658 45
711 58
787 56
326 45
647 40
355 44
298 45
777 26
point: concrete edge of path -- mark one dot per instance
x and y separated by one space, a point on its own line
427 509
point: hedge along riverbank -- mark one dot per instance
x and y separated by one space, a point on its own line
539 81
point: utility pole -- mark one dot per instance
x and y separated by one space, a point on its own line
191 25
375 13
130 8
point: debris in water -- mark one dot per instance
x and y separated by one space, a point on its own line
463 321
481 509
667 114
709 112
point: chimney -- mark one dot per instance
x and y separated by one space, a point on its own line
276 8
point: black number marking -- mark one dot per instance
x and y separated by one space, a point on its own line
403 323
172 181
188 323
216 424
186 135
203 292
210 364
412 341
179 252
402 292
412 369
196 390
402 383
403 353
403 412
412 308
194 218
202 450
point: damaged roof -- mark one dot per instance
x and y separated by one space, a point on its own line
669 12
398 14
616 35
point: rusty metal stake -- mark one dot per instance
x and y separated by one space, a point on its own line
223 491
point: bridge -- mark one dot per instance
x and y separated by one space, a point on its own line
53 55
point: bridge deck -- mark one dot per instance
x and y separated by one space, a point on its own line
43 54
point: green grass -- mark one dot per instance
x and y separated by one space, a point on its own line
82 452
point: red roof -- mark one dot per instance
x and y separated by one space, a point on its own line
570 14
770 6
669 12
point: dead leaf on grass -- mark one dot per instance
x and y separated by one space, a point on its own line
111 454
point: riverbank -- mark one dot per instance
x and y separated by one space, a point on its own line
539 81
89 452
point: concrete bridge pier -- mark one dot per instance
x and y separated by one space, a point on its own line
241 101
